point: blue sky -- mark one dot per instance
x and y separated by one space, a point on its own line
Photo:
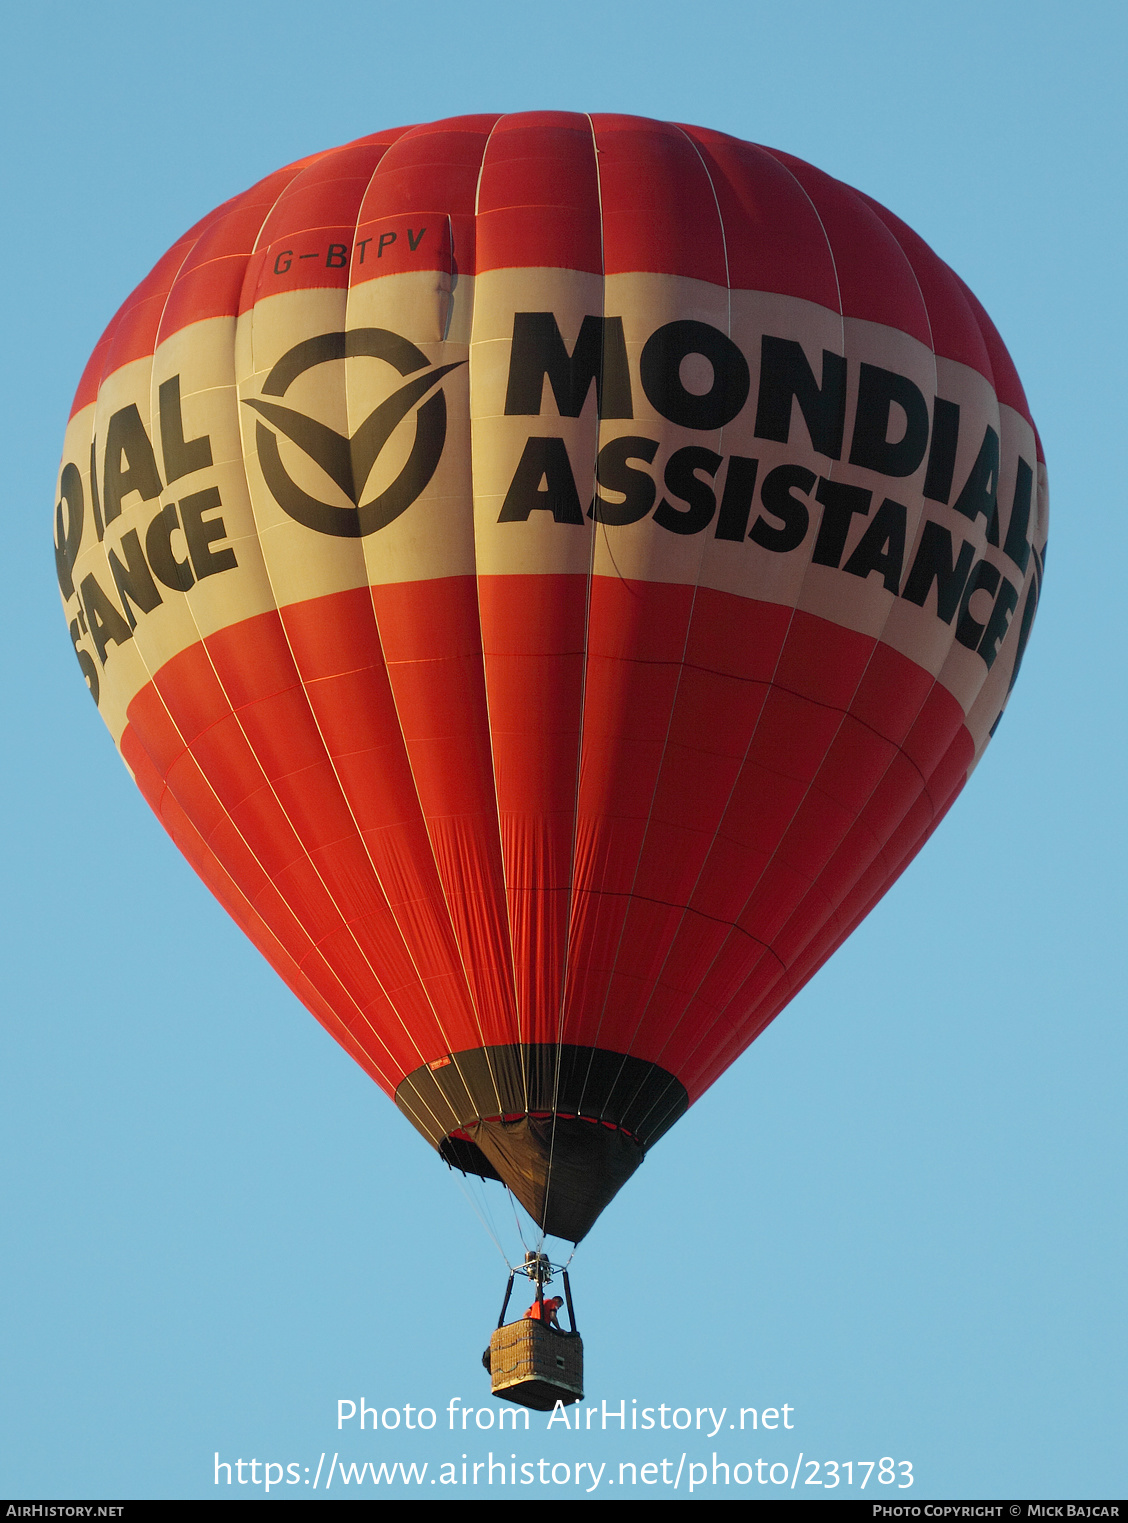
902 1212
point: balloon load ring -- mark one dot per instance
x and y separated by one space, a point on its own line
533 1361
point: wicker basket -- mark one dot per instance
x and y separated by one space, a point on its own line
536 1366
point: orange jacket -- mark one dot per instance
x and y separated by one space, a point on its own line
551 1306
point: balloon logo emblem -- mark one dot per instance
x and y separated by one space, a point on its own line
349 462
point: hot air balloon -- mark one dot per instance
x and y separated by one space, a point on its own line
550 574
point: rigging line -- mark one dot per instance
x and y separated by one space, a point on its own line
370 570
513 1207
472 988
565 976
462 1185
684 650
504 921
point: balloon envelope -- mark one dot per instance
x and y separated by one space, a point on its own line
550 574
